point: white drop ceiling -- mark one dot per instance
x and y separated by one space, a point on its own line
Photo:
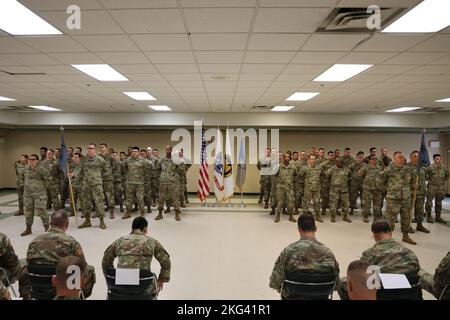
219 56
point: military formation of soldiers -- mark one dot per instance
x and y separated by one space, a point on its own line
315 183
101 181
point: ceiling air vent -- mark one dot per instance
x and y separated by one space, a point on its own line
19 108
23 73
262 107
355 19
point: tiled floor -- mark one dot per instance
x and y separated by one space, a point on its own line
225 253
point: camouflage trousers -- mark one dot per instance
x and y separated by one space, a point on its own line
93 193
118 193
396 206
64 192
285 197
419 207
148 193
266 186
339 197
155 188
372 198
356 190
25 286
273 193
20 198
35 202
311 196
108 190
169 192
52 196
135 192
325 195
438 195
183 191
77 196
298 195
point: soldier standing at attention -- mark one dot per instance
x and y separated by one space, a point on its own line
135 168
339 178
298 187
321 158
310 177
107 178
263 166
372 189
306 255
43 153
325 188
420 194
136 251
372 152
274 167
285 188
36 179
356 183
52 166
169 184
19 167
91 174
347 158
157 175
184 166
399 181
437 175
117 180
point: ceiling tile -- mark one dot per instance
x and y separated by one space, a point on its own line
10 45
123 57
219 56
333 42
170 56
135 68
176 68
217 3
306 68
268 56
262 68
297 3
138 4
218 19
276 41
149 20
59 4
218 41
30 59
161 42
219 68
414 58
440 42
316 57
392 42
367 57
76 58
53 43
107 43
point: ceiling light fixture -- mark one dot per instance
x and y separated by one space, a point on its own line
142 95
45 108
101 72
403 109
342 72
160 108
281 108
302 96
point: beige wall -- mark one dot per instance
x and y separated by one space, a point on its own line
28 141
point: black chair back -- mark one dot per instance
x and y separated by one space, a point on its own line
413 293
143 291
308 286
40 278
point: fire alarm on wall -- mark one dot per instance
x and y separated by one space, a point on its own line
434 144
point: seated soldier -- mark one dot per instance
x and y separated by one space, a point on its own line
136 251
439 283
388 254
70 278
305 255
357 282
48 248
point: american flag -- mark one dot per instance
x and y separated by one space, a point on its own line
203 180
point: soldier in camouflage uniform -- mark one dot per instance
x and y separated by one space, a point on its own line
389 255
420 191
52 166
321 158
436 175
274 167
372 152
156 177
136 251
306 255
298 188
169 183
123 176
347 159
36 180
42 153
19 167
117 181
263 166
91 170
65 181
310 177
285 188
77 183
339 179
10 263
399 181
184 167
439 283
48 248
356 183
325 182
146 155
108 178
372 189
135 168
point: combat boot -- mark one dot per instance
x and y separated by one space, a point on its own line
149 209
167 210
291 218
86 223
260 199
182 205
177 215
407 239
318 218
121 207
272 212
346 218
19 213
439 219
366 219
46 227
126 215
159 216
111 214
351 211
102 223
277 217
266 205
26 232
333 218
421 228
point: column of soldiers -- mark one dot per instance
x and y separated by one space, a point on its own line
100 182
336 182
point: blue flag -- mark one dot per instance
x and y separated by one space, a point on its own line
64 155
424 158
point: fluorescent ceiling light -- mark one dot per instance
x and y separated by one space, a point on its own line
403 109
443 100
140 95
281 108
45 108
6 99
102 72
302 96
428 16
342 72
18 20
160 108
